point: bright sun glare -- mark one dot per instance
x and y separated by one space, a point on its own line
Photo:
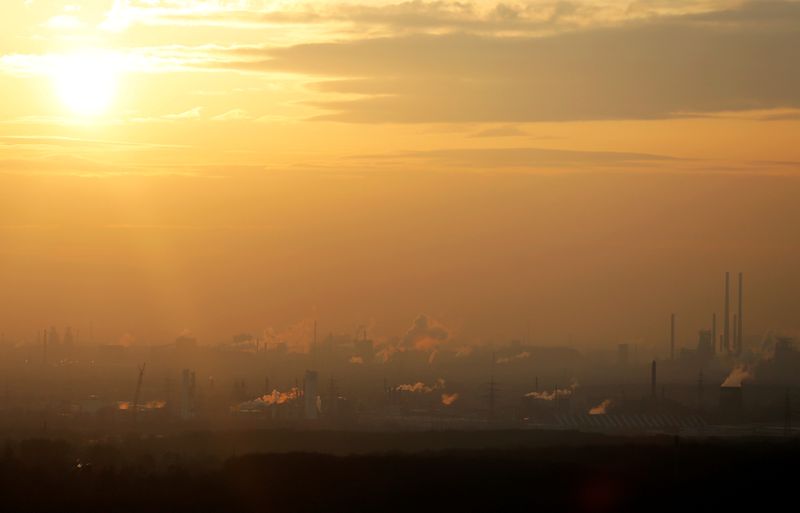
86 82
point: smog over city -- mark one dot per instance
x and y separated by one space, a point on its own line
399 255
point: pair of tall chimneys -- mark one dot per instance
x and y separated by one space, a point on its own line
725 339
725 342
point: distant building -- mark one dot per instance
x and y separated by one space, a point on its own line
623 355
784 348
705 344
310 410
53 339
704 350
187 406
185 343
69 340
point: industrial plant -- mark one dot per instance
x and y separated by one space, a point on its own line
726 382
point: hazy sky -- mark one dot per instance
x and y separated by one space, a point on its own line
220 166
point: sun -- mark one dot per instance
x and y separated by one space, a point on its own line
86 82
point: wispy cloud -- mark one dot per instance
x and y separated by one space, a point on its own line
646 69
405 16
72 142
501 131
519 157
233 115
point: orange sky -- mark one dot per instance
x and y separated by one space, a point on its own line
222 166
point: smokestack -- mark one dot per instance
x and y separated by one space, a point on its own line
313 350
726 327
739 320
653 379
672 337
714 332
314 340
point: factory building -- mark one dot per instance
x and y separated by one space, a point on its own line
310 407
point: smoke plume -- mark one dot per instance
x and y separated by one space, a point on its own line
601 409
509 359
387 352
449 399
149 405
550 395
126 340
464 351
420 387
425 334
297 337
276 397
737 376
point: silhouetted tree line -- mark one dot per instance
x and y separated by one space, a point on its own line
646 475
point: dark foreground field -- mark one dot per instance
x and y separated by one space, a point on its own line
544 472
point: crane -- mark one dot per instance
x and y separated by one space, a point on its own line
135 404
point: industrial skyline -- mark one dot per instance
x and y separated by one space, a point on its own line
302 335
429 374
305 256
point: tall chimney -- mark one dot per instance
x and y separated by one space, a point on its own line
739 320
313 349
672 337
44 348
714 332
653 379
726 327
